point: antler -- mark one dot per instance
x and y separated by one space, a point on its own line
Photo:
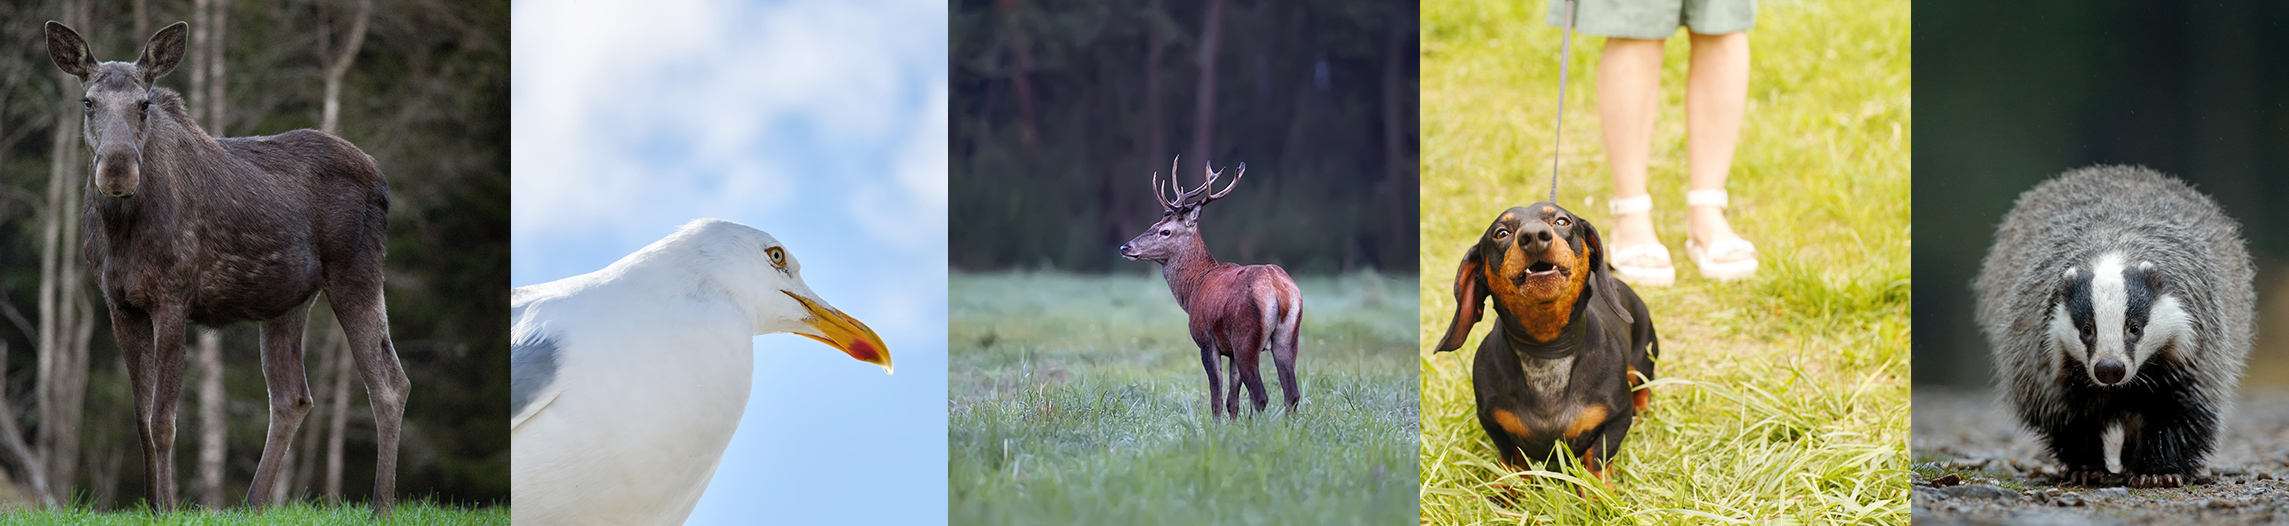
1164 202
1212 176
1183 195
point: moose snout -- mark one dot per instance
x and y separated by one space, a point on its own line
116 177
2109 371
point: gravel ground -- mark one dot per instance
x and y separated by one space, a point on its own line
1975 465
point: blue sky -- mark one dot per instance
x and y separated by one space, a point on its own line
821 122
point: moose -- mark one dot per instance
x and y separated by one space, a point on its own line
1236 311
183 228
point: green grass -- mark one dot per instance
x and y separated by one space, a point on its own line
423 513
1783 398
1081 400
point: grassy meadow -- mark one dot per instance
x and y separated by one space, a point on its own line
1080 399
1783 398
424 513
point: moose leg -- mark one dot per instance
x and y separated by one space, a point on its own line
132 328
358 304
1215 391
289 396
166 363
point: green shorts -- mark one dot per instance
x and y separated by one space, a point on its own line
1656 19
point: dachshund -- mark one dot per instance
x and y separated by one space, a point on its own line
1571 344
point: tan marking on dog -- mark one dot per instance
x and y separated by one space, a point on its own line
1543 308
1549 209
1638 398
1591 416
1509 422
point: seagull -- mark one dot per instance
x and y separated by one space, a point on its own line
627 383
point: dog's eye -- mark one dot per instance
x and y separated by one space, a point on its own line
1501 234
1562 221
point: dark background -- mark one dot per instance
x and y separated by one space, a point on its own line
2012 93
427 97
1062 110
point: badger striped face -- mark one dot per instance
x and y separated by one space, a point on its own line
2110 319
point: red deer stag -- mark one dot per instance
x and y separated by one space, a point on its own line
184 228
1237 311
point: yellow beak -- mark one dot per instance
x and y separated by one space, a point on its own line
843 332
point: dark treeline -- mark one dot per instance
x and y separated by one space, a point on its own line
1063 109
424 90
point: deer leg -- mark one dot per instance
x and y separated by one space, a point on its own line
1284 354
132 329
365 319
1252 375
289 397
166 362
1232 387
1215 392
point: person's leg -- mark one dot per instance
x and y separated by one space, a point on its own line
1629 91
1716 91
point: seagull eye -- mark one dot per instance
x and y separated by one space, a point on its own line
778 256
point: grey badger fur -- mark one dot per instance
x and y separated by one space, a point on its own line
2117 302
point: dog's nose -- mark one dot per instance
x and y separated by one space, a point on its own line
1535 237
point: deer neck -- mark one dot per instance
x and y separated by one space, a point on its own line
1187 273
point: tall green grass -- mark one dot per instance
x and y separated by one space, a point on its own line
423 513
1782 399
1081 400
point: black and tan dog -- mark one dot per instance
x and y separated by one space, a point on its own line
1569 345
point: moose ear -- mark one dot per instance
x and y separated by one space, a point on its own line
162 53
1601 275
1469 298
69 51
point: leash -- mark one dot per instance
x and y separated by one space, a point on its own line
1565 49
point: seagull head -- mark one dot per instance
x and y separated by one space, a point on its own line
764 278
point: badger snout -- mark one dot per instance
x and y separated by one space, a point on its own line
2109 371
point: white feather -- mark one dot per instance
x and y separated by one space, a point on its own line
653 370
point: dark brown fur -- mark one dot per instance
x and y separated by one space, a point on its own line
1570 344
1236 311
184 229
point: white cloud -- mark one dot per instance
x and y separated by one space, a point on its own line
631 115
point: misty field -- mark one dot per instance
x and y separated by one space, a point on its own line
1079 399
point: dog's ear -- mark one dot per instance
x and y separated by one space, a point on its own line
1601 274
1469 298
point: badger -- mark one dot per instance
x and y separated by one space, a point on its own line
2117 304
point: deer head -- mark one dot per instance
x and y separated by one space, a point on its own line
1178 229
118 100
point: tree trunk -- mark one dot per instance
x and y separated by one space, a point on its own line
1204 102
331 123
12 437
216 119
62 352
211 418
1019 79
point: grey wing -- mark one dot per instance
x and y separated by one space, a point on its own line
533 362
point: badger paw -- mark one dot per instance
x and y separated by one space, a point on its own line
2157 480
2084 477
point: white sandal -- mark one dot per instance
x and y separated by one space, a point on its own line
1633 255
1706 256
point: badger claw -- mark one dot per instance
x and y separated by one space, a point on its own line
2164 480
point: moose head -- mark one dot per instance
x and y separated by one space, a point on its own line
1179 227
118 100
